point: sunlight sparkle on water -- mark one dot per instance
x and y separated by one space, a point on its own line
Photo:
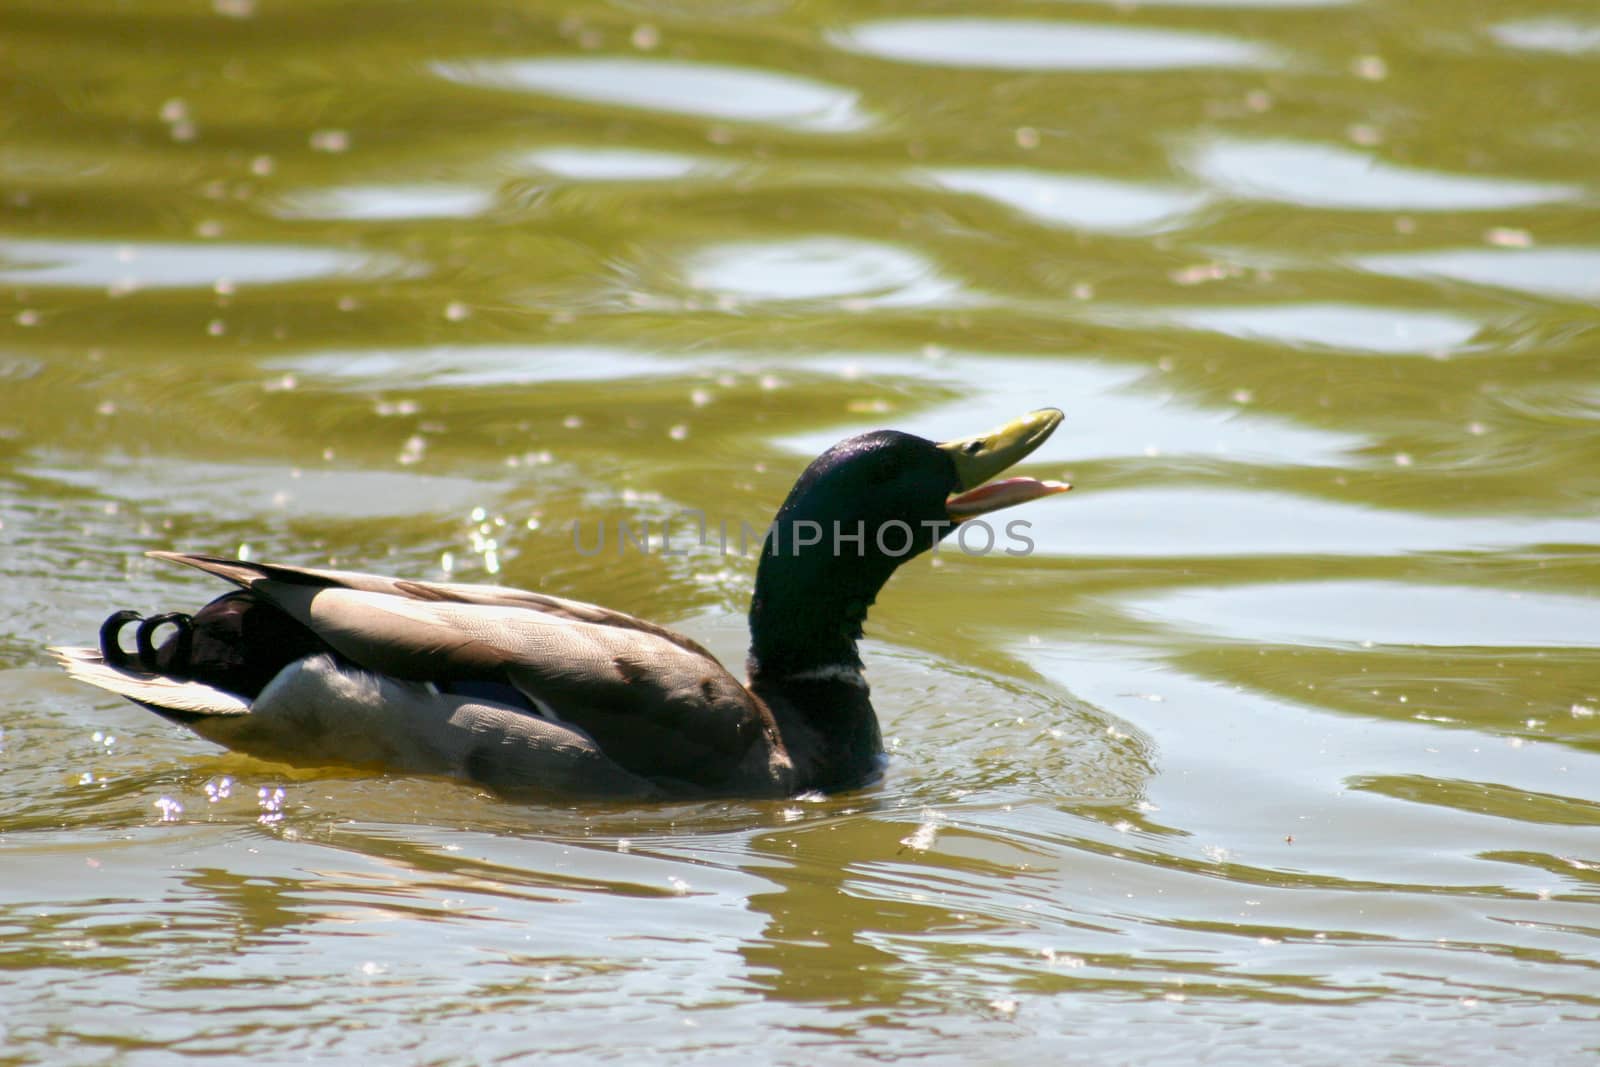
170 808
270 799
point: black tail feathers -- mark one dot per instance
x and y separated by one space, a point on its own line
238 643
171 659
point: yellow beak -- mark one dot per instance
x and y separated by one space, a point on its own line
980 458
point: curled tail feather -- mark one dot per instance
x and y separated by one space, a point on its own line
173 656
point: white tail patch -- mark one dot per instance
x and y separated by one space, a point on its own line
88 665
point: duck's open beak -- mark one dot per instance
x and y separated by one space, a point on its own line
980 458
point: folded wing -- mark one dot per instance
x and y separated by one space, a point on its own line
653 701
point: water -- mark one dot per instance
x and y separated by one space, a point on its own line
1280 747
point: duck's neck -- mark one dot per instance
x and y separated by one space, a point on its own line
804 664
828 727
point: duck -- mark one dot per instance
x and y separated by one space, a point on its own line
526 693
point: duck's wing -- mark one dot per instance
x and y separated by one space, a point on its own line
246 574
654 702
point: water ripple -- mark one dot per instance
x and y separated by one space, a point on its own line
1037 44
1234 4
1383 613
1330 176
240 490
1563 273
1112 412
607 164
1074 200
818 268
169 265
476 366
1550 34
1240 522
1352 327
709 90
380 202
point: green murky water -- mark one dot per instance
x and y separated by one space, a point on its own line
1282 745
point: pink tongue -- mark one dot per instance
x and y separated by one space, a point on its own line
1001 494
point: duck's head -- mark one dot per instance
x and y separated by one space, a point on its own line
860 510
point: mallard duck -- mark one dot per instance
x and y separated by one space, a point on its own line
520 691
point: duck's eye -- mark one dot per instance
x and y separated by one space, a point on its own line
973 448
